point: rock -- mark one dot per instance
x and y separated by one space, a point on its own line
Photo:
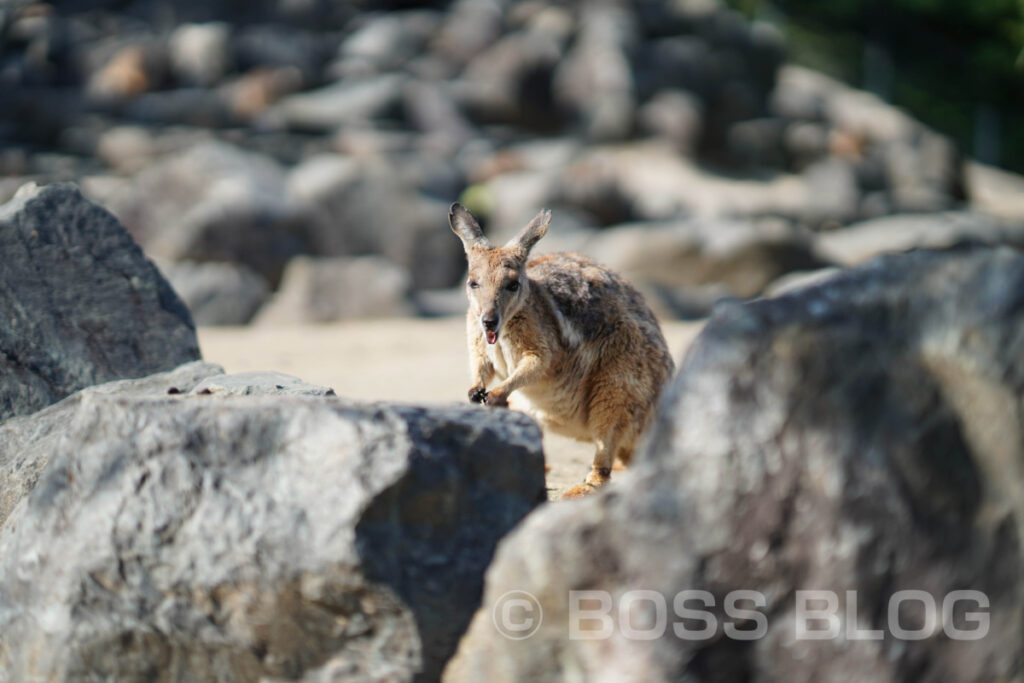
511 83
995 191
676 116
27 443
201 54
387 41
368 208
857 243
862 435
469 28
800 279
258 384
132 70
126 149
217 293
80 303
253 92
249 537
595 81
744 256
216 202
344 102
833 193
323 290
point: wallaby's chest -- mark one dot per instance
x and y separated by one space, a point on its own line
503 356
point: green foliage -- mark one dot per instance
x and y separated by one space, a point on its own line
948 55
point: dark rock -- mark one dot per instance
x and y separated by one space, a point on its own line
236 538
217 293
80 303
860 435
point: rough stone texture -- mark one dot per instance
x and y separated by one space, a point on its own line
28 442
258 384
80 304
865 434
192 537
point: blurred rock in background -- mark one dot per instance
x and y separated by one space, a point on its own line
247 135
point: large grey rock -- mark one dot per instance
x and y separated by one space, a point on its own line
80 304
216 202
860 242
218 293
743 255
321 290
861 435
27 443
236 538
368 208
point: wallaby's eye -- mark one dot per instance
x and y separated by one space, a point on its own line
473 284
512 286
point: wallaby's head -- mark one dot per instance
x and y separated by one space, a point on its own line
497 284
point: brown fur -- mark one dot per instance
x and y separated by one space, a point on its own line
577 346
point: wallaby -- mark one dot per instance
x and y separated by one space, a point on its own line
575 342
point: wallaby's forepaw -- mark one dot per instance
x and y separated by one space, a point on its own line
578 491
496 400
597 478
478 395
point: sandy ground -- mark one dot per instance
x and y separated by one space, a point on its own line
409 360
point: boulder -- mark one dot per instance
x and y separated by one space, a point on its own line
216 202
201 54
218 293
863 435
368 208
743 255
321 290
80 303
28 442
860 242
215 538
344 102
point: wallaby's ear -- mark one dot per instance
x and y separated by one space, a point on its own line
530 235
466 227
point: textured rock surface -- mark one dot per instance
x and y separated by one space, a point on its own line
28 442
861 435
80 303
194 537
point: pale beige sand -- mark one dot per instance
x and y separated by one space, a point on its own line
410 360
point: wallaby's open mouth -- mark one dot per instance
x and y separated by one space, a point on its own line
492 337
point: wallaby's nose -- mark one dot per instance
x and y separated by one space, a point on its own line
490 321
